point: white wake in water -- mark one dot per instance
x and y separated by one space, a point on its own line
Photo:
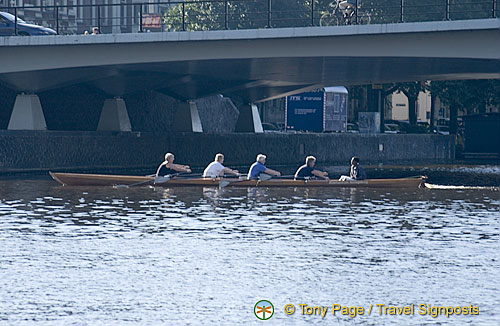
451 187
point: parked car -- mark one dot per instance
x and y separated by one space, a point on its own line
443 130
391 128
8 28
405 127
443 122
352 127
424 126
269 127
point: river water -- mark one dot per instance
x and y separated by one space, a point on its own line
199 256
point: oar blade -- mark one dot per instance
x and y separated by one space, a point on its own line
164 179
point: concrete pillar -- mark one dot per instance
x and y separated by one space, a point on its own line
187 118
114 116
381 109
249 119
27 114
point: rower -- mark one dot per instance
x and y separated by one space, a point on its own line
356 173
216 169
307 171
258 167
168 167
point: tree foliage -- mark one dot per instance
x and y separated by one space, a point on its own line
237 15
288 13
468 96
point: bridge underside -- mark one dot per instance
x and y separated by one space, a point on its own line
253 65
252 80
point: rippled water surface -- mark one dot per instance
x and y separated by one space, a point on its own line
198 256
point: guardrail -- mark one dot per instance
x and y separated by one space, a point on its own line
236 14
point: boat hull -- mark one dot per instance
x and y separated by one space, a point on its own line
80 179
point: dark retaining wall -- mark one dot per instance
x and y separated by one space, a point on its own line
107 151
78 108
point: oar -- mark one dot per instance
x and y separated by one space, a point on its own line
156 180
284 176
262 177
164 179
133 184
185 175
180 175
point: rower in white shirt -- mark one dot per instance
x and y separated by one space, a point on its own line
216 169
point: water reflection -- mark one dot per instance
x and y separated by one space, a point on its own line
127 254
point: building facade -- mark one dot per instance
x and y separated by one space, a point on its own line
400 107
78 16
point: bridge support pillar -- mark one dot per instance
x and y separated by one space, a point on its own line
249 119
187 118
114 116
27 114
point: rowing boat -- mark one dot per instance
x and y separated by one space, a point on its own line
81 179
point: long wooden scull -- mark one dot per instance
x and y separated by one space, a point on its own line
81 179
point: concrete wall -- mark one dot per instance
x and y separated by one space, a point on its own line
79 107
108 151
218 114
72 108
150 111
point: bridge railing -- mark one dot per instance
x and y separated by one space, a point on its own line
234 14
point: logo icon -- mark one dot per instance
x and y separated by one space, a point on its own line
263 310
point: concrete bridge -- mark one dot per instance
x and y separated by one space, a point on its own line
246 65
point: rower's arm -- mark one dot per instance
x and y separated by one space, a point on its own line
179 168
228 170
272 172
320 174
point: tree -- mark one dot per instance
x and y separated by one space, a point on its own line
237 15
466 96
411 90
389 11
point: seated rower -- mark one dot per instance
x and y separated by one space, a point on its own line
357 172
258 167
216 169
168 167
307 170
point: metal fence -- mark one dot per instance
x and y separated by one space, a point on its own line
128 17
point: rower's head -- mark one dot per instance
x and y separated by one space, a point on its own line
219 158
261 158
310 161
169 157
354 160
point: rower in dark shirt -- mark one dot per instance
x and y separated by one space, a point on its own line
307 170
166 171
168 167
357 172
304 171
